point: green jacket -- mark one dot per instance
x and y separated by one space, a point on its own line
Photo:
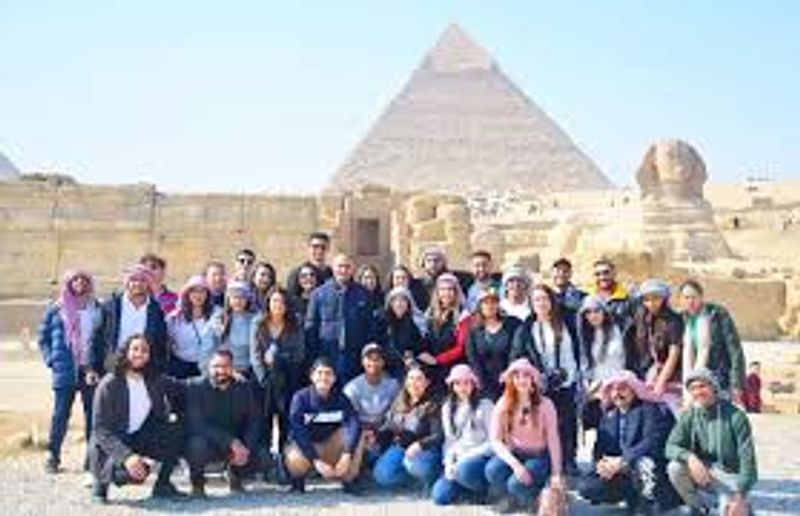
726 357
719 435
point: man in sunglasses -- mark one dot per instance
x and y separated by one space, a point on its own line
618 301
245 260
318 244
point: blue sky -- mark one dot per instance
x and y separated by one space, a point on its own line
250 96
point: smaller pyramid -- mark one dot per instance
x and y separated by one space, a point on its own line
7 169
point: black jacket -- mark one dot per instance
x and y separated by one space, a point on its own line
647 428
489 358
111 411
104 339
222 415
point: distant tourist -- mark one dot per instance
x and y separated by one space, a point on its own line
264 280
132 424
340 322
223 425
230 329
411 436
324 432
711 341
752 388
64 339
277 356
132 312
318 244
214 273
628 455
371 393
711 452
488 342
603 353
549 341
188 329
402 332
616 297
525 442
653 343
568 295
243 265
158 268
448 323
516 301
466 420
483 278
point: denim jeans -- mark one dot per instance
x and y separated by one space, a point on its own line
64 397
393 469
470 477
502 480
718 493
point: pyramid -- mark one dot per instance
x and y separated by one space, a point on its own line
460 125
7 168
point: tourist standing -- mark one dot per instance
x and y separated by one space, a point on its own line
166 298
516 301
230 329
188 329
318 244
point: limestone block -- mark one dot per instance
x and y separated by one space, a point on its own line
433 230
420 209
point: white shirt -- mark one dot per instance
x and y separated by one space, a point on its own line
132 320
86 317
521 311
547 350
187 337
614 360
139 403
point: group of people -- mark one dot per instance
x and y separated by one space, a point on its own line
472 385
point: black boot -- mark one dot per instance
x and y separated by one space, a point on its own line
163 488
99 493
51 464
298 485
198 489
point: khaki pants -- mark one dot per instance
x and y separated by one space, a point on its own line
329 452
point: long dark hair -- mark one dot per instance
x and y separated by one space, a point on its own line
186 304
121 363
556 315
402 402
587 332
227 314
261 264
453 400
290 324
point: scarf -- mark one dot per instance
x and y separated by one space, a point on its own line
696 342
70 305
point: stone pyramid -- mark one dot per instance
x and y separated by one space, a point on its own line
460 125
7 168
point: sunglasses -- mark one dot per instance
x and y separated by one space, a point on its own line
244 260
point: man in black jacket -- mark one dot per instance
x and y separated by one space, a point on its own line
134 311
223 424
628 455
133 423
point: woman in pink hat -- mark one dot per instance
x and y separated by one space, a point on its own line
448 322
466 418
524 439
187 328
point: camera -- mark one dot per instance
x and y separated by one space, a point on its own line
556 378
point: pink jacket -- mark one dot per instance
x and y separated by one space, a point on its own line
539 433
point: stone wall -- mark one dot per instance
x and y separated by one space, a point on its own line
47 229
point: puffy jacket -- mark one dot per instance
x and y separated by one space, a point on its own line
56 352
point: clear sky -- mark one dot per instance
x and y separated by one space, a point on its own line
253 96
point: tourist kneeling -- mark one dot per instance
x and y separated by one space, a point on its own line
132 423
223 424
524 439
466 418
324 432
711 452
411 437
628 454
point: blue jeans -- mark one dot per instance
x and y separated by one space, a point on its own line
470 477
64 397
503 481
393 469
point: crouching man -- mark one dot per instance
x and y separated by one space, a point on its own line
324 432
711 452
133 426
628 456
223 424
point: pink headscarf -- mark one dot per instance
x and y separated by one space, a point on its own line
639 388
521 365
139 272
462 372
69 304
